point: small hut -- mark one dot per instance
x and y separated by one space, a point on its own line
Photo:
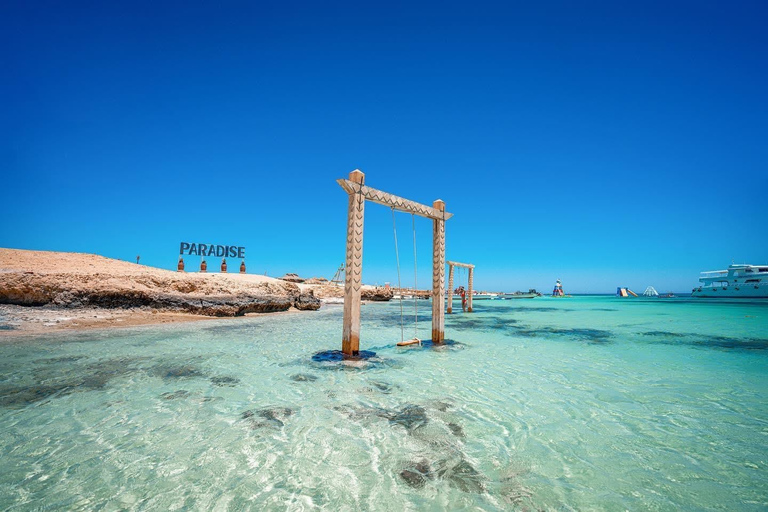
292 278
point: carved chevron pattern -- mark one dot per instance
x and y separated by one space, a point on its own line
354 270
396 202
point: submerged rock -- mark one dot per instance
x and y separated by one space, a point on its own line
268 417
382 386
181 393
12 396
441 405
417 474
456 429
62 359
303 377
224 381
411 417
462 476
179 372
336 360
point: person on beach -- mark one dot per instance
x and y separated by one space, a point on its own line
463 294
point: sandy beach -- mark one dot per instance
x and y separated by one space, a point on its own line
43 291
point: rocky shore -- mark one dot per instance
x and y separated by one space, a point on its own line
75 281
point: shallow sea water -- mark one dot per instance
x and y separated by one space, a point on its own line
585 403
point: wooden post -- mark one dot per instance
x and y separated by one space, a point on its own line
450 288
350 341
469 300
438 275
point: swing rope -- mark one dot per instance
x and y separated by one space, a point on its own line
399 288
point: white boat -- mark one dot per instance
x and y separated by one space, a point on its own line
738 281
486 296
532 294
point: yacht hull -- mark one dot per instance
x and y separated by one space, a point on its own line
732 292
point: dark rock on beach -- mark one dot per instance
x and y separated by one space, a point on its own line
376 294
307 302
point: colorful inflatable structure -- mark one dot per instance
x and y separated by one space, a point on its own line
625 292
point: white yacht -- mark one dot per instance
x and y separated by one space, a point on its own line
747 281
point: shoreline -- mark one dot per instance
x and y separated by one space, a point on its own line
43 292
28 321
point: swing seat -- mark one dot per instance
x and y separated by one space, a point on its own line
412 341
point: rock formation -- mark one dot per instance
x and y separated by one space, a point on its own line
36 278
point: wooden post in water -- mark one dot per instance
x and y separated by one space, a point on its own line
438 274
450 287
469 300
350 339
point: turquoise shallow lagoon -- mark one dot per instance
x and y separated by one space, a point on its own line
586 403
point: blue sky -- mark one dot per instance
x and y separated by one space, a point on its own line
605 143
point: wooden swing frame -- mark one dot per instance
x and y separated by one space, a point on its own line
358 194
470 278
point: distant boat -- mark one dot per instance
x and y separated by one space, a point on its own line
531 294
738 281
486 296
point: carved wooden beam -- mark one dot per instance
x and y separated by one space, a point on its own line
393 201
457 264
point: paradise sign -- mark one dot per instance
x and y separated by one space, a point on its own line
222 251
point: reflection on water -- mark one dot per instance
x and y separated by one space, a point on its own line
590 403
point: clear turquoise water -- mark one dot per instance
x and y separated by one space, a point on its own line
587 403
